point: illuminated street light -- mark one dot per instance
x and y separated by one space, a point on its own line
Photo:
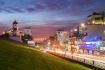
93 21
104 31
3 33
82 25
75 30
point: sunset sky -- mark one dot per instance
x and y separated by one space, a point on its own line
47 11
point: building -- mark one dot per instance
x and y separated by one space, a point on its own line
27 31
95 32
98 17
61 41
15 30
94 42
62 36
21 35
95 26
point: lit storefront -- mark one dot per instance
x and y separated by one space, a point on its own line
92 48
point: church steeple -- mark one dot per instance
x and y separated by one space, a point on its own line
15 22
15 28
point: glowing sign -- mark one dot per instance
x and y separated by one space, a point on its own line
92 42
92 45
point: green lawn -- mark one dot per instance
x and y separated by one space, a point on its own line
15 56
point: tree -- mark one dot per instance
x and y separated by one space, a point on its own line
26 38
6 35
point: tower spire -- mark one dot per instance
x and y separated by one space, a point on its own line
15 28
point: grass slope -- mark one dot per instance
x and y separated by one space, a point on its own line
15 56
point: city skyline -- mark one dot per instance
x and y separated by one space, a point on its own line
52 34
49 15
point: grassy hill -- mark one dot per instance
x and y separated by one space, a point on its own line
15 56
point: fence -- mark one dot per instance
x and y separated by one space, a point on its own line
96 63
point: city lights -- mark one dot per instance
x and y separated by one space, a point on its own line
75 29
82 24
70 29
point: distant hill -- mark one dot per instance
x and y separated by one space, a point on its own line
16 56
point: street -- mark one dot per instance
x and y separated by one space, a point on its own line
96 61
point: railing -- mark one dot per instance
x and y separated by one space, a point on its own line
89 61
96 63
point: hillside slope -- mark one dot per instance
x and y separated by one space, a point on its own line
15 56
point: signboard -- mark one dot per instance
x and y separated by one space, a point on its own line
92 45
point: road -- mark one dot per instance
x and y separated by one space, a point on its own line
97 61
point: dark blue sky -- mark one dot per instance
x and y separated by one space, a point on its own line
47 11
